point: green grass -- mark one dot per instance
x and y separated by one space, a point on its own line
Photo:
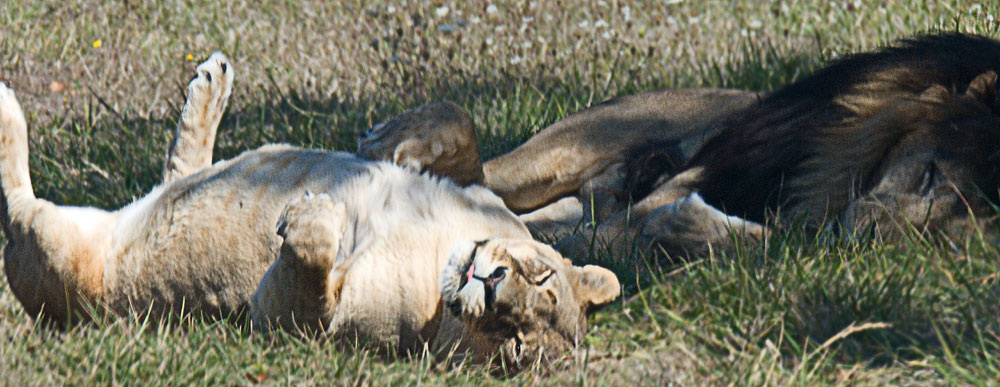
802 309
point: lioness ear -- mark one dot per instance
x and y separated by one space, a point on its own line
596 287
984 89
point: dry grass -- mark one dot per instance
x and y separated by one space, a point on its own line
314 73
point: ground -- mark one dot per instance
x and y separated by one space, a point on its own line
102 83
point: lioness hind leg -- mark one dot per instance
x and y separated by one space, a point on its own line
301 288
54 257
207 96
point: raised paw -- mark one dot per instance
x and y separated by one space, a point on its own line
312 226
207 96
209 90
10 110
13 145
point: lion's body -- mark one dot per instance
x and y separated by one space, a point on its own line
363 258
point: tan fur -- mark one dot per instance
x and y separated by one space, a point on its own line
560 159
583 154
362 259
437 137
194 138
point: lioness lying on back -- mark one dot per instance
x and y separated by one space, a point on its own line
377 253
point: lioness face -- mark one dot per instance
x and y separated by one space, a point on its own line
523 298
944 175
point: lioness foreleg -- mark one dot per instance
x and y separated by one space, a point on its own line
301 288
207 96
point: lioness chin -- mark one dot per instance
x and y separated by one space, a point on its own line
372 254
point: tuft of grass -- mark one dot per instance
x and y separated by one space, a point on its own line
801 309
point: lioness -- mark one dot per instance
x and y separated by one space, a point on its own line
907 137
377 253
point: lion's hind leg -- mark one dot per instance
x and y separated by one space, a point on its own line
301 288
207 96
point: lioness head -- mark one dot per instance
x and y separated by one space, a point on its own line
943 171
438 138
523 298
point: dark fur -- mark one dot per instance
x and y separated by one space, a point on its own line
759 161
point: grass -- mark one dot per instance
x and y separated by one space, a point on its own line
802 309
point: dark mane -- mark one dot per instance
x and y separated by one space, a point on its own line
752 166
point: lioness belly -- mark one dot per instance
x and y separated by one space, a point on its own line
203 242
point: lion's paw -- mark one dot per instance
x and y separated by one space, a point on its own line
8 102
13 130
209 90
689 225
312 226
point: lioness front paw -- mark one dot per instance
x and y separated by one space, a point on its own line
313 226
209 90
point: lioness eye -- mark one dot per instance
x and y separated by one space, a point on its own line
499 273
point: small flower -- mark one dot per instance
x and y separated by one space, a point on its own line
97 43
491 8
755 24
583 24
441 11
189 57
600 23
390 9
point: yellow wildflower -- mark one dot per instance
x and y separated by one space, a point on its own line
189 57
97 43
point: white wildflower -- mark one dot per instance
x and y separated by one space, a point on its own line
600 23
755 24
607 34
583 24
390 9
515 60
441 11
491 9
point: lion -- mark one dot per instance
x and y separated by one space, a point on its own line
904 138
298 238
